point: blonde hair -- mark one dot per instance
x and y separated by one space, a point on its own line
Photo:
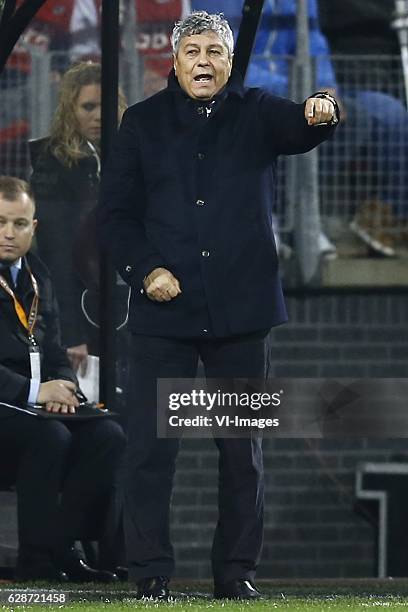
66 142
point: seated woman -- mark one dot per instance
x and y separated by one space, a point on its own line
65 181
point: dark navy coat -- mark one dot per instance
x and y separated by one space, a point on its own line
194 194
65 198
15 370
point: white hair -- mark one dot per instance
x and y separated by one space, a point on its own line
199 22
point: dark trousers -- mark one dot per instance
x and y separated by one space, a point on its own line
64 475
150 461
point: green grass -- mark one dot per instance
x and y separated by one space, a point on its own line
297 596
336 604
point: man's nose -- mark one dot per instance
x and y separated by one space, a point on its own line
9 231
203 59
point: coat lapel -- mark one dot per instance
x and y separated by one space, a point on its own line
24 289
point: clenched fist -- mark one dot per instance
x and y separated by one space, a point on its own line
161 286
319 110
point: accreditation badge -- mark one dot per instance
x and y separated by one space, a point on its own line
35 363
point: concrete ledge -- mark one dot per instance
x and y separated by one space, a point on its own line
365 272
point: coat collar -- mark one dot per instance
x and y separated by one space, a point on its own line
24 285
186 107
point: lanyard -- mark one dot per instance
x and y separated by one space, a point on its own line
27 323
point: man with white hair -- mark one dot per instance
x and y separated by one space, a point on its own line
186 213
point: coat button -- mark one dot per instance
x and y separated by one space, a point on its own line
205 253
128 269
200 202
200 110
201 156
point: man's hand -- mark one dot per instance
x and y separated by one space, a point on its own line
161 285
61 408
319 110
58 396
78 356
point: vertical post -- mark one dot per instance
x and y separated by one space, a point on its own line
41 93
251 16
132 61
4 11
307 220
110 81
13 22
400 24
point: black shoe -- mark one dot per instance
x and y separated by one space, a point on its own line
37 565
78 571
122 573
236 589
154 588
32 573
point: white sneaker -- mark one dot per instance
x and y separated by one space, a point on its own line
326 248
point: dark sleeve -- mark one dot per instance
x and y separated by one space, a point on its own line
55 360
286 127
14 387
122 205
55 239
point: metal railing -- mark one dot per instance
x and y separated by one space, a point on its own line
361 175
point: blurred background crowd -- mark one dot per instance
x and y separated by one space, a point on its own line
361 186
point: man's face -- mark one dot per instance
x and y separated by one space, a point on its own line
17 225
202 65
88 112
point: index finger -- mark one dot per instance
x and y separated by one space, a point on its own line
173 290
176 284
309 108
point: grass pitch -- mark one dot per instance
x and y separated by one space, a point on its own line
335 604
299 596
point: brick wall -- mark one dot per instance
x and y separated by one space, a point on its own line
312 526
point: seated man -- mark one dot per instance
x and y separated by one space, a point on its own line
44 457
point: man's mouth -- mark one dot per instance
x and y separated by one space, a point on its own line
203 78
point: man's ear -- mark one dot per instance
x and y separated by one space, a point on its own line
35 221
231 60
